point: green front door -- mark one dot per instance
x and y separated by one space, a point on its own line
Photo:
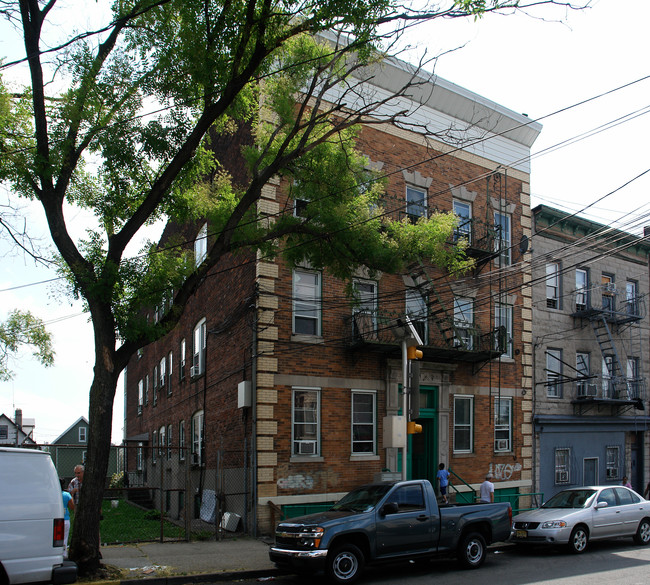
423 447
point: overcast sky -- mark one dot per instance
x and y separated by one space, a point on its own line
537 66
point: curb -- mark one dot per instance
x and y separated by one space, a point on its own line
201 577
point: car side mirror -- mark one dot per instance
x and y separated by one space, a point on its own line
600 505
389 508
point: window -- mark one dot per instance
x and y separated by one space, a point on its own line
181 366
631 299
154 445
463 424
553 285
464 322
163 372
502 227
83 434
300 207
181 440
582 285
409 498
139 457
155 385
169 442
584 388
146 389
554 373
502 425
416 309
306 302
365 311
4 432
140 396
416 203
161 442
170 369
608 291
607 376
197 438
612 458
503 324
463 212
201 245
633 378
363 422
198 349
305 422
562 467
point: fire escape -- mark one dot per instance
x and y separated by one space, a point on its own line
616 326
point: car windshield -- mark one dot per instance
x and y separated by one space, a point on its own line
362 499
570 499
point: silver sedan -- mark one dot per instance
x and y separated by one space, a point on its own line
575 516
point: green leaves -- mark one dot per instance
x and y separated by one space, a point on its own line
20 329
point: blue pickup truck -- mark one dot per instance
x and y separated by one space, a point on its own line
386 522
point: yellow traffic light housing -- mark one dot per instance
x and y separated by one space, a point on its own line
413 353
412 427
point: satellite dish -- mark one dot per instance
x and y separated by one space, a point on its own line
523 244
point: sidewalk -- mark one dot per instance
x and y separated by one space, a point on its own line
174 563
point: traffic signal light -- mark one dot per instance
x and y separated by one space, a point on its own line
412 427
413 353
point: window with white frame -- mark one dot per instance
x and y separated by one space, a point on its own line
562 465
503 324
502 425
608 288
365 309
146 389
502 226
607 377
198 348
181 440
154 446
170 370
631 298
139 457
181 365
582 287
83 434
554 373
140 396
306 302
201 245
155 385
305 417
169 442
416 309
612 457
163 373
584 386
463 211
4 432
363 423
197 438
464 322
633 379
553 285
161 441
463 424
416 203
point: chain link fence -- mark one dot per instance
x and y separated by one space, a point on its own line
168 493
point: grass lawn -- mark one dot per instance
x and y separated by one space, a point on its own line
128 523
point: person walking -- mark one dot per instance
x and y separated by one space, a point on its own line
487 490
75 485
443 480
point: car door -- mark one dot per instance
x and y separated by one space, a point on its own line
632 510
608 520
410 527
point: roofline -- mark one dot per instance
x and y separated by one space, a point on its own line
81 418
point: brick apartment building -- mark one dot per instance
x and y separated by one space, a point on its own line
276 363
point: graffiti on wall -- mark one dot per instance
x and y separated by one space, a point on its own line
298 481
504 471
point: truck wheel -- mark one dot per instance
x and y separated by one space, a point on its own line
642 536
578 540
344 564
472 550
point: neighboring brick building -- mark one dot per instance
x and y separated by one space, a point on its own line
275 361
591 353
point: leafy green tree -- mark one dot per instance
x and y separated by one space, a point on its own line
20 329
128 136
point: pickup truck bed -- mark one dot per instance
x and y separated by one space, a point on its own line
387 522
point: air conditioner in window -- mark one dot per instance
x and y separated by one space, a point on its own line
502 445
612 473
194 371
306 447
561 477
609 287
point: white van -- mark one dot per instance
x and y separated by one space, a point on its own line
31 520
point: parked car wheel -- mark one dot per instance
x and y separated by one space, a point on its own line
472 550
578 540
642 536
345 563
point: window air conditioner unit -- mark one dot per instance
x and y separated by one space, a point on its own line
561 477
609 287
194 371
612 473
306 447
502 445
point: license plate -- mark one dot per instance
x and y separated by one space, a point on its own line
522 534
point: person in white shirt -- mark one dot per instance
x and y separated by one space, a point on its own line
487 490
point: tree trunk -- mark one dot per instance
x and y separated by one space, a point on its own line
85 543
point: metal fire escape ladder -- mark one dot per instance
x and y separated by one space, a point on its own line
618 382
